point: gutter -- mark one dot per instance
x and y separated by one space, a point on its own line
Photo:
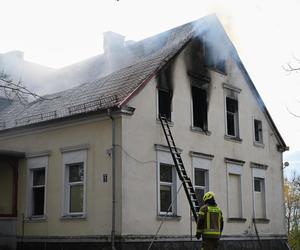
113 230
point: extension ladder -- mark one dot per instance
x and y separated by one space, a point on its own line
186 181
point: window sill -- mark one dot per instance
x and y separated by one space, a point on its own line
200 130
170 217
74 217
241 220
36 218
213 68
258 144
261 220
232 138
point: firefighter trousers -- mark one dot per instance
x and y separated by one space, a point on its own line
210 244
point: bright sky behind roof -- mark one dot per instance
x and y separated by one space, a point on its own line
56 33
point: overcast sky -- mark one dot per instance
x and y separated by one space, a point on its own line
56 33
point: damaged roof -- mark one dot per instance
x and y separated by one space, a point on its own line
140 62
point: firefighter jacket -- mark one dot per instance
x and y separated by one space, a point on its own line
210 222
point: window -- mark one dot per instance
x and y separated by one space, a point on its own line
199 108
259 190
259 197
258 136
234 196
214 58
232 117
201 184
37 164
167 189
235 189
75 167
164 103
257 184
75 174
38 192
165 93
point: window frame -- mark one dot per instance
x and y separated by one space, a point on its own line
235 167
36 161
259 172
205 188
158 90
72 184
205 122
173 185
235 118
232 92
163 156
74 155
203 162
260 133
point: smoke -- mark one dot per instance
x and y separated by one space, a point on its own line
216 42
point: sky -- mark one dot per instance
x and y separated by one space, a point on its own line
57 33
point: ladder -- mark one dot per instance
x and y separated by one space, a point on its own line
186 181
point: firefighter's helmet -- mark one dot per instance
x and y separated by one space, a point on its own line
209 195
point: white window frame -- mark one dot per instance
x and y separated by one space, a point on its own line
173 185
259 171
235 167
261 134
232 92
164 156
203 162
74 155
36 161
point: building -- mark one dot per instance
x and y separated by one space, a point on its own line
89 166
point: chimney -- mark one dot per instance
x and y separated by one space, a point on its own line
112 42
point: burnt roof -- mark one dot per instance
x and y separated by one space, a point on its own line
139 62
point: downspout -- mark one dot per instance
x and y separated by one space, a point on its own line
254 212
113 230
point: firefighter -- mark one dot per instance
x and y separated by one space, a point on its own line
210 223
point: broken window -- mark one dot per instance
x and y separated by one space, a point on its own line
258 136
165 94
201 183
75 187
232 117
214 58
164 102
199 97
167 189
38 192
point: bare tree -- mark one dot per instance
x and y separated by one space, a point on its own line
16 90
292 67
292 205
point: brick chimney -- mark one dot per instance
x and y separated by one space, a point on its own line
112 42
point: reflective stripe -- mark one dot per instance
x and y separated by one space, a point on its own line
211 233
216 221
199 230
201 213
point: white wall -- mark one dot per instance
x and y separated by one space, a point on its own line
142 131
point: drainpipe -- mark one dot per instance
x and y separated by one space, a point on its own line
113 230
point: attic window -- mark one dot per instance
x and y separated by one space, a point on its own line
199 97
214 59
258 136
232 116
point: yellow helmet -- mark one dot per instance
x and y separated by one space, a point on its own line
209 195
